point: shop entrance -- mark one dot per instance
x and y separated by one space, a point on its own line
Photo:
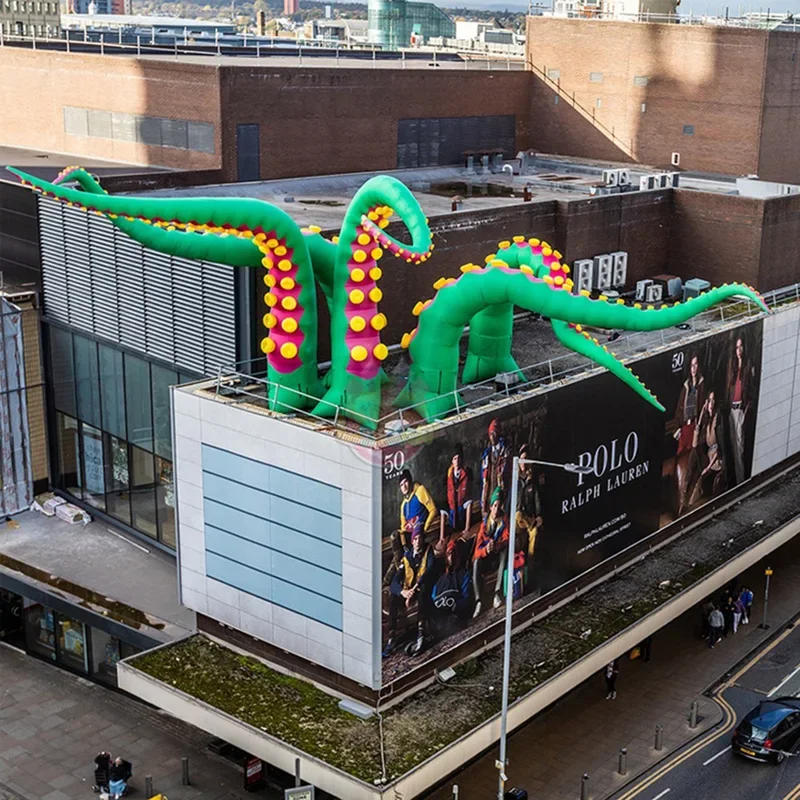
12 624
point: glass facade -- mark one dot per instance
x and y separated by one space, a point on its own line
113 434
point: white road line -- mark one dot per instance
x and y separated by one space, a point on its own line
714 758
785 680
666 791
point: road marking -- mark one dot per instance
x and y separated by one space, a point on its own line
785 680
666 791
714 758
793 793
728 724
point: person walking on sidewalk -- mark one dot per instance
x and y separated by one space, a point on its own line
738 613
716 624
747 602
727 613
612 670
705 611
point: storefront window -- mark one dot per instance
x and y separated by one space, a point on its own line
69 457
72 644
117 478
143 496
93 467
112 390
105 655
165 499
87 385
63 370
40 637
162 427
138 402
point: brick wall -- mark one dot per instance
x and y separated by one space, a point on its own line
37 85
322 121
707 77
781 112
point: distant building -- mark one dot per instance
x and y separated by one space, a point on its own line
30 18
393 23
95 7
291 7
616 9
145 26
338 30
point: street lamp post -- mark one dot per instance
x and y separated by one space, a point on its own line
512 531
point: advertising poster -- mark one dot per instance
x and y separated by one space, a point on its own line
446 496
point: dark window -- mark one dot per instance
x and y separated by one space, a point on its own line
162 427
87 383
247 153
688 130
439 141
63 370
148 130
174 133
112 390
143 495
138 402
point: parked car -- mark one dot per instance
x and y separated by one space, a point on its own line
769 731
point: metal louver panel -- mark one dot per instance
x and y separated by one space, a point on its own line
51 236
99 280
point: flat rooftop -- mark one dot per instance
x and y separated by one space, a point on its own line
323 199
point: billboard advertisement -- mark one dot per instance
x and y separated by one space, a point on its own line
446 496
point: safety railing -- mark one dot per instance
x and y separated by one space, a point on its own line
235 383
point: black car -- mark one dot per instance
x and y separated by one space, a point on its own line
769 731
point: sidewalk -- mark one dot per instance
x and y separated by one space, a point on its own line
583 732
52 725
109 563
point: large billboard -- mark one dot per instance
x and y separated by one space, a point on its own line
446 496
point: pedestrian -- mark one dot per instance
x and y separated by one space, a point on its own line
738 611
645 647
727 613
612 670
716 624
747 602
705 611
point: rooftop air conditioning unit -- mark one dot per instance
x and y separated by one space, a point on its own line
602 272
641 289
619 269
624 178
654 293
582 274
611 177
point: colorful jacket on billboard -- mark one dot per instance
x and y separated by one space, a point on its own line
495 463
457 487
414 570
418 506
490 531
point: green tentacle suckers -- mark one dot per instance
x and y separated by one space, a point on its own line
245 232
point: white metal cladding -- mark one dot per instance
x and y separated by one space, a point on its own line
97 279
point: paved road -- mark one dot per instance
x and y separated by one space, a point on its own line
707 769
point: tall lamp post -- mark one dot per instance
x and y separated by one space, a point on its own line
512 530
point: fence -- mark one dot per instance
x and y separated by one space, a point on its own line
231 381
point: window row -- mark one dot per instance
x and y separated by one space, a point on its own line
118 478
116 392
30 6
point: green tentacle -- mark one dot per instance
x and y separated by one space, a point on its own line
491 330
216 230
357 352
434 345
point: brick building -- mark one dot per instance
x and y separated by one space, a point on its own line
719 97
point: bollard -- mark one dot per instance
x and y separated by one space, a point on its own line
148 785
693 715
623 761
185 771
659 737
585 786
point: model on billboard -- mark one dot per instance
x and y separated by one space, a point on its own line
495 467
709 452
740 387
690 402
459 487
